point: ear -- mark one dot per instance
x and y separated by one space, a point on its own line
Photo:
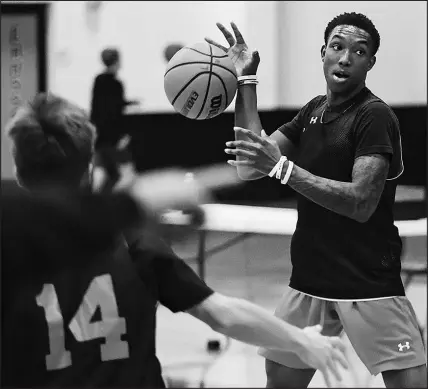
371 63
322 52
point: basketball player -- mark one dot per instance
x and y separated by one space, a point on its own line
79 313
108 102
343 158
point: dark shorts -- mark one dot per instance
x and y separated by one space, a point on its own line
384 332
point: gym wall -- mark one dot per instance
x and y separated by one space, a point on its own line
288 35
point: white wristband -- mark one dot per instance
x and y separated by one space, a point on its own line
248 82
243 78
275 168
288 172
281 165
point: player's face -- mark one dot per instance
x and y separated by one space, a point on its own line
347 58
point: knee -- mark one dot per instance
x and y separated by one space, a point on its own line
415 377
271 381
279 376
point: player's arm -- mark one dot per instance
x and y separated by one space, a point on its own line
357 199
247 322
247 116
246 62
180 289
244 321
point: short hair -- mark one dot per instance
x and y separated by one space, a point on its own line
52 141
356 20
110 56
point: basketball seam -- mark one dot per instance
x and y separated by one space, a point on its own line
225 90
196 62
185 86
208 86
208 55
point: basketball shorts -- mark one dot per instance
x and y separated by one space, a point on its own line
384 332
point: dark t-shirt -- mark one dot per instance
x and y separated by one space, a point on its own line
334 256
78 315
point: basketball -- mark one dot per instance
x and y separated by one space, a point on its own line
200 81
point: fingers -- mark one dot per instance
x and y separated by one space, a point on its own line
238 35
243 144
340 357
333 367
250 134
229 37
337 343
327 378
211 42
244 162
241 153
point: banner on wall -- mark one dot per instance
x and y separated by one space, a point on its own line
19 73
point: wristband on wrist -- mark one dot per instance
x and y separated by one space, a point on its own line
247 80
288 173
243 78
280 167
281 161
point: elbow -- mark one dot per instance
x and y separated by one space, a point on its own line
363 211
361 217
226 320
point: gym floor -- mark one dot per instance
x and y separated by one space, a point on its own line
257 269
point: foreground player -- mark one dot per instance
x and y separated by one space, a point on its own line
347 152
76 313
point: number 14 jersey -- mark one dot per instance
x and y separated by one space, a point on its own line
91 324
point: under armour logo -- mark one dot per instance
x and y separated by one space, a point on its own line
402 346
313 120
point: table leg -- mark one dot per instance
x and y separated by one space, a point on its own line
201 254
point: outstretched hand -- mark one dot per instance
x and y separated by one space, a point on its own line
259 152
324 353
246 61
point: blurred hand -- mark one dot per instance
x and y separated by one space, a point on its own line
246 61
168 189
324 353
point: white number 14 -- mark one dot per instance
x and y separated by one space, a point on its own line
111 327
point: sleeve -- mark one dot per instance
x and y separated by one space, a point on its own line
292 130
180 288
377 131
177 286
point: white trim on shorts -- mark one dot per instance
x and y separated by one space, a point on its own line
343 300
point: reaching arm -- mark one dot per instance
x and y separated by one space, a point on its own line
246 322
